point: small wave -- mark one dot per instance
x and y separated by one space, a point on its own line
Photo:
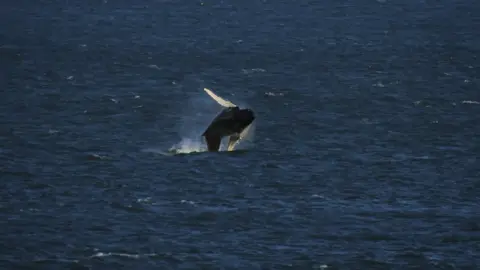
146 199
188 202
271 94
154 67
253 70
470 102
94 156
379 84
133 256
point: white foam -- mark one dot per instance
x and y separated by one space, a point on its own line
147 199
470 102
188 145
253 70
133 256
154 67
273 94
188 202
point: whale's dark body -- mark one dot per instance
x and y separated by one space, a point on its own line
230 122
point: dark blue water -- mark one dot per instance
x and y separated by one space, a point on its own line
364 155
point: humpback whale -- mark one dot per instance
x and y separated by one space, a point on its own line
231 122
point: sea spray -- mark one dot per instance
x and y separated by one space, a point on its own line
196 114
188 145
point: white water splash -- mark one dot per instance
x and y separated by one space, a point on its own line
188 145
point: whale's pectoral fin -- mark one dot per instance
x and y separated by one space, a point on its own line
213 142
245 132
219 100
233 141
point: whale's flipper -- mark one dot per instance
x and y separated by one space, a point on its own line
213 142
219 100
233 141
245 132
236 138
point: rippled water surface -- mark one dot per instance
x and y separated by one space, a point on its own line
364 153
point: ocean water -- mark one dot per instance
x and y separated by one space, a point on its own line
364 155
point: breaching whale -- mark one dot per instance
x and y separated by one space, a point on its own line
231 122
